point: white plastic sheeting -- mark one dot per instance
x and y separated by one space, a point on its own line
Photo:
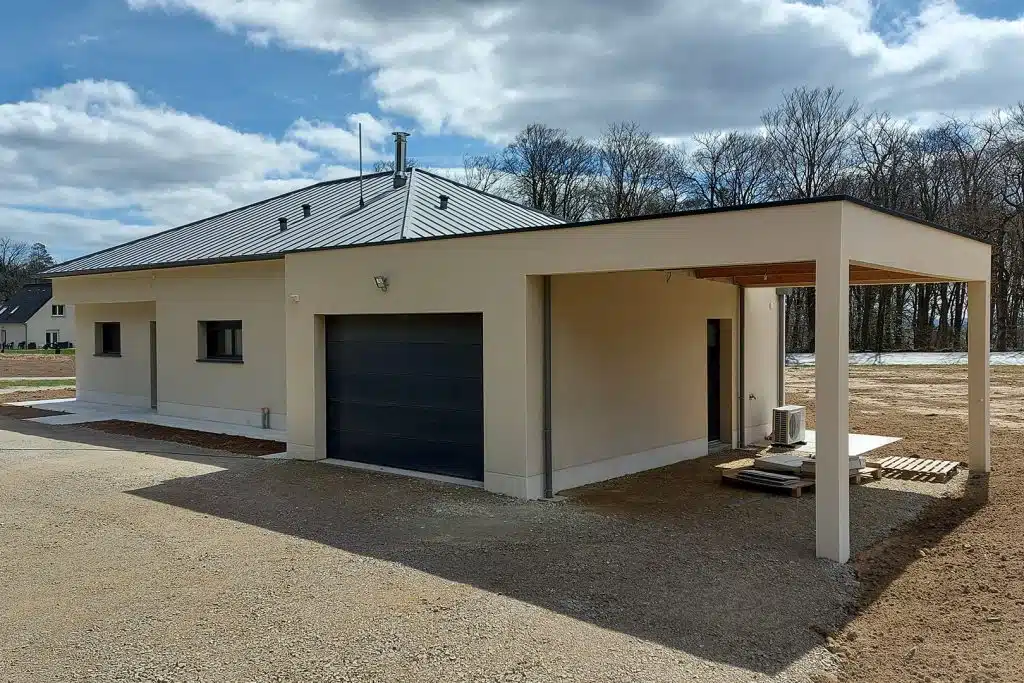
912 358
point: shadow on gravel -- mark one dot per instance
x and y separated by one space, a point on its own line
668 556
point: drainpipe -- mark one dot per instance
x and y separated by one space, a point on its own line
741 364
781 293
548 462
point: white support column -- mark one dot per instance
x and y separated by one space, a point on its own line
832 406
978 332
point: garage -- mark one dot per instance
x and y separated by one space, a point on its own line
406 391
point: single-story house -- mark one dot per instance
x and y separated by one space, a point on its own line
405 321
33 316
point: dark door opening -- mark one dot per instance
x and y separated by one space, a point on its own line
714 380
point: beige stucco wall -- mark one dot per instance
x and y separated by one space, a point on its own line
225 392
629 368
497 275
120 380
178 299
761 361
44 321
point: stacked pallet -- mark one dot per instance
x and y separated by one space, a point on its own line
921 469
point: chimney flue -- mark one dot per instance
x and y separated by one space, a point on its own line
283 222
307 210
400 162
443 201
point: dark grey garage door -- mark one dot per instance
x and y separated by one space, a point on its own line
407 391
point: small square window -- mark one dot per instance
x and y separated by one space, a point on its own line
220 340
108 339
57 310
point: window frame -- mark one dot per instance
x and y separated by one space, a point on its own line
100 348
208 342
57 310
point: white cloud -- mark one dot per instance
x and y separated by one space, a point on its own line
96 148
487 67
344 142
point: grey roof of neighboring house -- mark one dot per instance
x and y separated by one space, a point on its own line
24 304
253 232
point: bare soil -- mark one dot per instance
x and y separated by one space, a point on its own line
943 598
36 395
37 365
25 412
221 442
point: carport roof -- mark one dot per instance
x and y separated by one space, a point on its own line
409 213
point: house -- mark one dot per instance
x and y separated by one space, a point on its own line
33 316
404 321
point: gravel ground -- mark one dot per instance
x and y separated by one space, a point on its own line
178 567
37 365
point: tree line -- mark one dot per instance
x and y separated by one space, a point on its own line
967 174
20 263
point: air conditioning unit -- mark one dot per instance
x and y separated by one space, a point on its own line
788 425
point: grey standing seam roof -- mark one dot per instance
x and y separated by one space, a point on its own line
253 232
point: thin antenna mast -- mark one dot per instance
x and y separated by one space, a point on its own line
362 203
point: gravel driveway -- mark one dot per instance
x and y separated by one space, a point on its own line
131 560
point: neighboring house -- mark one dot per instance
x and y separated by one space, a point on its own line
431 327
33 316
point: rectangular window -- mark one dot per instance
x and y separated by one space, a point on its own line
220 340
57 310
108 339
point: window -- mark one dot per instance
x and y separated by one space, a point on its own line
108 339
57 310
52 337
220 340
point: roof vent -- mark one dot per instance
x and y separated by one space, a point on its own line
400 145
307 210
283 222
443 200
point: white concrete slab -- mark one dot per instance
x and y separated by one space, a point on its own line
860 444
80 412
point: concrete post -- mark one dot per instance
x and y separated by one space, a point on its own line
978 332
831 383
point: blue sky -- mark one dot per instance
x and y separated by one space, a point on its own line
119 117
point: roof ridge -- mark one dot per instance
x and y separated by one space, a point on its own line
408 203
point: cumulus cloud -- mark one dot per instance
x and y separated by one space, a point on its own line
487 67
92 163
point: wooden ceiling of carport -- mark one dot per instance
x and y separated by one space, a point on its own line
801 274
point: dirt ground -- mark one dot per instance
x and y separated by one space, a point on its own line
37 365
944 599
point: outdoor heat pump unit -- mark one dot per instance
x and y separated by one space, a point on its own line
789 425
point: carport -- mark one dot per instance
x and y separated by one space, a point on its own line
533 294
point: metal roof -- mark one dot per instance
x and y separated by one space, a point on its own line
25 302
253 232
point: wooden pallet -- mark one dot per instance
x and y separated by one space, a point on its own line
793 488
864 474
921 469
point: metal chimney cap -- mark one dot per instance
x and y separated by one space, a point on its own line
443 200
283 222
307 210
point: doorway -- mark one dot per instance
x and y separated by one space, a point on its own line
714 366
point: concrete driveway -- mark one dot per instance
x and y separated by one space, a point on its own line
128 560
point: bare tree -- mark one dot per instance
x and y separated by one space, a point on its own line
809 134
482 172
13 266
550 171
633 164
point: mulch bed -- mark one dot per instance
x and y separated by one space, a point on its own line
25 412
220 442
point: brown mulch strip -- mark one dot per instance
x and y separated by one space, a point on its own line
25 412
36 395
219 442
